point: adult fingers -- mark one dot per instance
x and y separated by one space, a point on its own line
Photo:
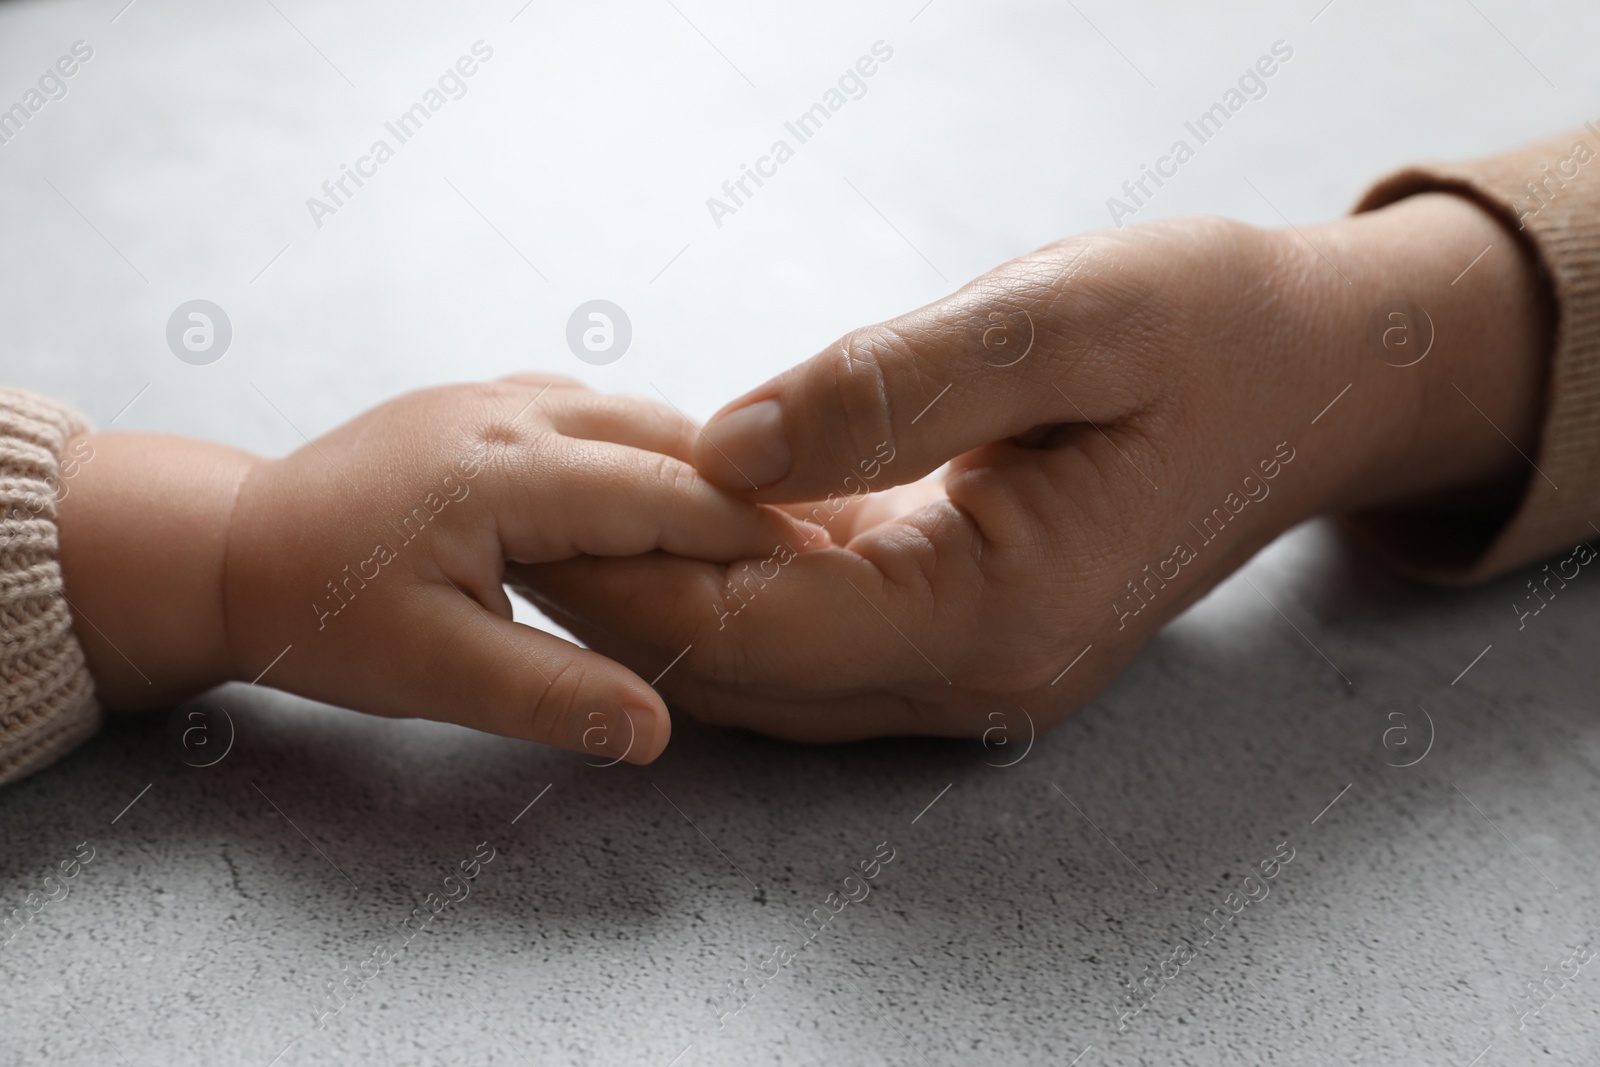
825 623
886 404
595 498
822 714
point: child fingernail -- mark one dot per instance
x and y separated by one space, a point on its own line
813 536
645 728
747 447
616 733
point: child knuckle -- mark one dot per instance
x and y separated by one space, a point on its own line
674 476
554 716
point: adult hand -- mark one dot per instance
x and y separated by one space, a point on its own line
1127 418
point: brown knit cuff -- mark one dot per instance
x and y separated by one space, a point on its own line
47 704
1549 195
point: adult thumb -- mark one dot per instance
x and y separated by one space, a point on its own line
887 404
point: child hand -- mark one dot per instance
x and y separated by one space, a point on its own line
365 568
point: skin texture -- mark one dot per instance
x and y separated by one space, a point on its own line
1168 362
996 470
189 564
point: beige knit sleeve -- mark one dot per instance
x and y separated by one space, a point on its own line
1548 196
47 704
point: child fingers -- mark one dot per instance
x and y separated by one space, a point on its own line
539 380
611 500
521 682
847 517
623 421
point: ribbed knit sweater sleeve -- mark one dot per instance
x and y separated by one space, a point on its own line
47 704
1547 196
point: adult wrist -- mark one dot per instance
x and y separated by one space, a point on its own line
1444 323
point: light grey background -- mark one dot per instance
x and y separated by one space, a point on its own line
577 167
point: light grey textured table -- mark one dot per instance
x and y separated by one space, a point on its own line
1020 904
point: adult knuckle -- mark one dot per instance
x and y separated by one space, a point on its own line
1203 237
1089 302
875 378
1113 299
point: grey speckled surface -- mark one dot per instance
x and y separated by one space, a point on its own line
618 906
